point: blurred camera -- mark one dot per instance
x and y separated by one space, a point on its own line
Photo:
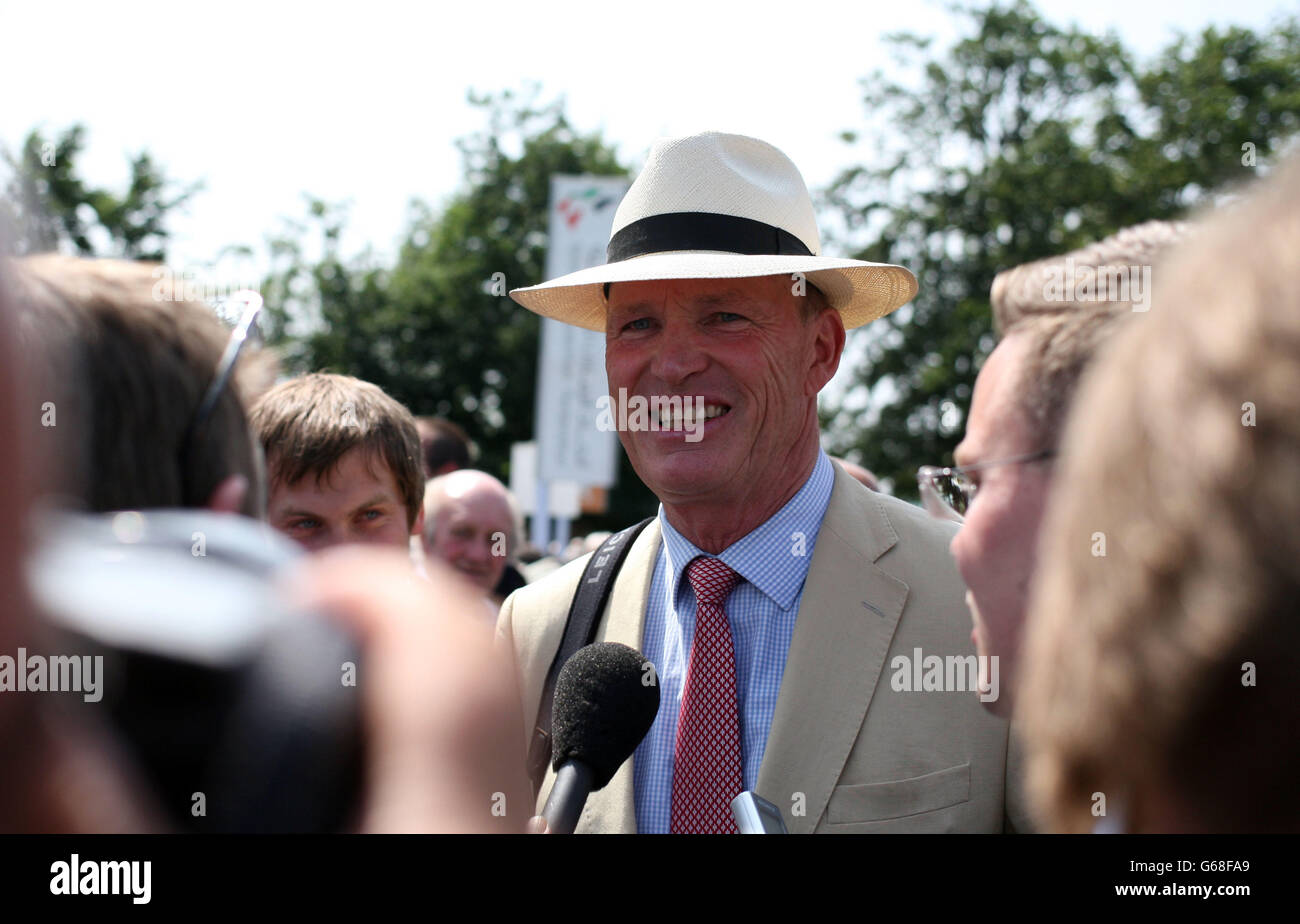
241 714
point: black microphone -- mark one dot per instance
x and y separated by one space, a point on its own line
606 699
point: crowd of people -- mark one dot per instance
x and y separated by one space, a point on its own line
1087 625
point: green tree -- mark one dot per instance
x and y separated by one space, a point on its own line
49 206
437 331
324 310
1021 141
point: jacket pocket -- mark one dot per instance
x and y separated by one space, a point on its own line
899 798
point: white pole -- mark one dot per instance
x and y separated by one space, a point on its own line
541 531
562 526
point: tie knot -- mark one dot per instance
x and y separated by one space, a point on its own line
711 580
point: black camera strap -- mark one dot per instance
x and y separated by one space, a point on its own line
579 631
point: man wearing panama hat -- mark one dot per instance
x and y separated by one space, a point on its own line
794 618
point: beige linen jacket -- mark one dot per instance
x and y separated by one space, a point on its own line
845 752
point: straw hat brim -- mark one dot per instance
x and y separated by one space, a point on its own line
860 291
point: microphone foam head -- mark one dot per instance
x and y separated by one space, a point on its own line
606 699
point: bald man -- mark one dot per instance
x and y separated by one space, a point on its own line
470 523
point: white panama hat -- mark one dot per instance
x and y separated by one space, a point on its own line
716 206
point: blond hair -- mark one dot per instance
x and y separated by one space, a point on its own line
1163 644
1064 331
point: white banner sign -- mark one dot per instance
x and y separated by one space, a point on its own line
571 364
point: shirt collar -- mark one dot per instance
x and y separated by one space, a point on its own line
769 556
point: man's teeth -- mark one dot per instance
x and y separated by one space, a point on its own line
686 418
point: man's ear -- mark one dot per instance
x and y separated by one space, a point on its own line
828 347
229 495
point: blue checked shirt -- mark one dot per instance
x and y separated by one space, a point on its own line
761 610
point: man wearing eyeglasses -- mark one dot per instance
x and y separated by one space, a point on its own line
1053 315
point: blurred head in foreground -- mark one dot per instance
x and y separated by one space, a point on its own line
120 373
1054 316
57 773
1163 651
470 523
343 462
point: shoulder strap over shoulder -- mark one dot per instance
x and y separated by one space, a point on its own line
579 631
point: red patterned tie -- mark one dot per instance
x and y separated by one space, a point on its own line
706 770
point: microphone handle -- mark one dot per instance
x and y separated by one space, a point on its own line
568 796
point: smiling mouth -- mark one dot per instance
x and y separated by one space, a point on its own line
685 418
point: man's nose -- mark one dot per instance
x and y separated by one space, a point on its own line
679 353
329 536
479 551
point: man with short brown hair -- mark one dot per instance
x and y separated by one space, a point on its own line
445 446
343 462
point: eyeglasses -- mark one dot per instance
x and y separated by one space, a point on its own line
248 304
252 306
947 493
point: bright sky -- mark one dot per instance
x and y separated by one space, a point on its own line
361 101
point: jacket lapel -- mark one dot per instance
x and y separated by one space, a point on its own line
847 617
612 808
